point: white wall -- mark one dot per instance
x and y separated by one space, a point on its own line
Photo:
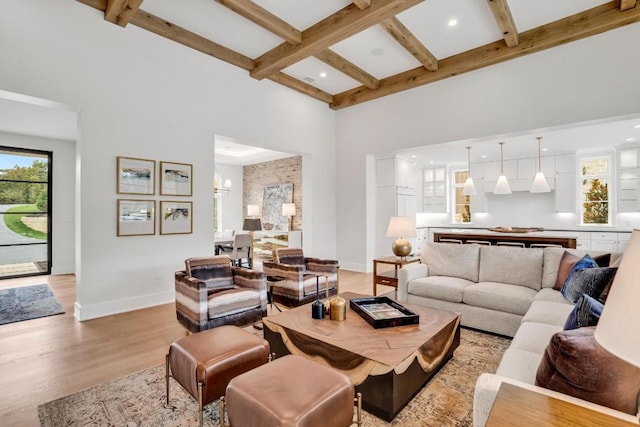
231 201
545 89
140 95
62 197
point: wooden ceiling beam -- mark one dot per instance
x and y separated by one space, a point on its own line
362 4
627 4
120 12
336 61
341 25
588 23
407 40
504 19
262 17
302 87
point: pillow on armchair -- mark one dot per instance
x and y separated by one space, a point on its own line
214 271
575 364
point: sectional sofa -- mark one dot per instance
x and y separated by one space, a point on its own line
503 290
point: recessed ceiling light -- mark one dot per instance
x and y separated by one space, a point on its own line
431 162
453 22
545 149
323 74
484 156
630 139
413 156
637 126
377 52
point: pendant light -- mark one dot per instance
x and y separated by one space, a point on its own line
469 189
502 186
540 184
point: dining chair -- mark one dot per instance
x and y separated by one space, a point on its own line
241 250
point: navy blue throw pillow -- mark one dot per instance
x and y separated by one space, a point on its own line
586 312
590 281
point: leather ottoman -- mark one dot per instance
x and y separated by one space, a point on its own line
205 362
291 391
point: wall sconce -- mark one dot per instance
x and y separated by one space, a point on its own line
253 210
226 187
289 210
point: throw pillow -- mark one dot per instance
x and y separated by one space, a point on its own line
567 262
586 312
590 281
575 364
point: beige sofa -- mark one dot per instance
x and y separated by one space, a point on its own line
504 290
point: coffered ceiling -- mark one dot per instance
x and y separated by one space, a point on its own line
348 52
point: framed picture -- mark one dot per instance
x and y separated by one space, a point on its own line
175 179
136 217
136 176
176 217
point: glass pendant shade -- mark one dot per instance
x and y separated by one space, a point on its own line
469 189
502 186
540 184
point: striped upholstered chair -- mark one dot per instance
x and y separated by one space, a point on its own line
293 276
210 292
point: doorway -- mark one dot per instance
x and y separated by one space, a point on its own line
25 212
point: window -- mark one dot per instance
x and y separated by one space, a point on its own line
462 204
595 176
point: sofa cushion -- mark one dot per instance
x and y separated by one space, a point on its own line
586 312
549 312
589 281
575 364
569 260
550 294
499 296
445 259
439 287
520 365
534 337
232 301
516 266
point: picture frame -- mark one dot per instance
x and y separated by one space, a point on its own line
135 176
176 179
136 217
176 217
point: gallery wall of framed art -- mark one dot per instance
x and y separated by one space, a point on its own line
137 216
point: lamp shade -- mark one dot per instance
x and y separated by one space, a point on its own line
502 186
401 226
469 189
252 224
253 210
617 329
288 209
540 184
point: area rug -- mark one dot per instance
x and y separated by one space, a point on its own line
138 399
27 302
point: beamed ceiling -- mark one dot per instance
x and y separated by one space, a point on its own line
345 53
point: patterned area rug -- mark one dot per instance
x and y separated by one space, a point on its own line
138 399
27 302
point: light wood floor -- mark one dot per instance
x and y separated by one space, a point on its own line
51 357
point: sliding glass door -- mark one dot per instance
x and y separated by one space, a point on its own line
25 216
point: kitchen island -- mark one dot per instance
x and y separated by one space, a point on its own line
565 240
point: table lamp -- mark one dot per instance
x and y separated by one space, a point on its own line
401 227
617 329
289 210
251 225
253 210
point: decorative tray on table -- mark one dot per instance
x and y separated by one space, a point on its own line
516 229
383 312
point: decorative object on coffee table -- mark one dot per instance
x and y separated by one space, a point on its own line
317 308
383 312
338 309
401 227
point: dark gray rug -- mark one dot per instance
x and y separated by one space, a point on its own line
27 302
138 399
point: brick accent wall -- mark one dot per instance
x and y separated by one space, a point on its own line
256 176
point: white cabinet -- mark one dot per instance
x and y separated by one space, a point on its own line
565 163
405 173
583 240
479 200
604 241
395 172
565 195
623 241
434 190
527 168
628 177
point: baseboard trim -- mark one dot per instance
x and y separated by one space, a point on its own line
352 266
93 311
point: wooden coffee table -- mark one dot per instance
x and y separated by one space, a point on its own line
389 366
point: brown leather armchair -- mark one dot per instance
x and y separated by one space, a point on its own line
210 292
294 277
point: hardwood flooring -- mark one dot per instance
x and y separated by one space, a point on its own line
51 357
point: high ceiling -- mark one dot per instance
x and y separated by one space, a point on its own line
348 52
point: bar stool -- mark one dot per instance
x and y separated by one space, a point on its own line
544 245
478 242
450 241
514 244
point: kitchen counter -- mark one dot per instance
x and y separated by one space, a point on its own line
565 239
